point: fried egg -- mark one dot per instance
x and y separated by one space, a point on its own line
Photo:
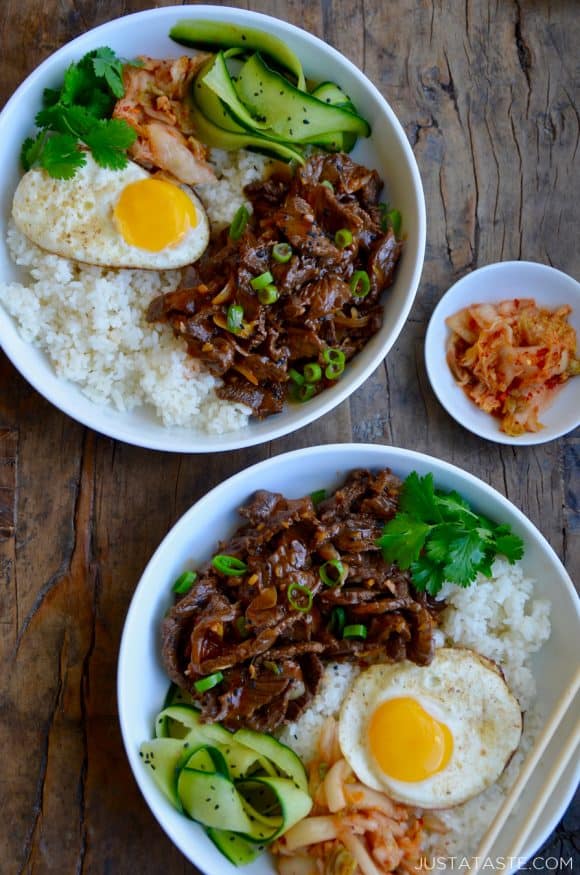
432 736
113 218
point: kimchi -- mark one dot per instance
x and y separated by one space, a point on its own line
511 358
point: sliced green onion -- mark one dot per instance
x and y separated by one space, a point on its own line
273 666
360 284
303 593
357 630
383 210
184 582
260 282
235 317
318 496
241 625
337 620
209 682
343 238
333 372
332 355
332 573
239 223
296 377
395 220
327 184
229 565
312 372
305 392
282 252
268 295
336 360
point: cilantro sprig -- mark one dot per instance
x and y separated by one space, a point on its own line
438 537
75 118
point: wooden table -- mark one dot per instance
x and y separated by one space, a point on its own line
487 96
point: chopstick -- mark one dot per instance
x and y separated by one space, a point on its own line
549 786
525 774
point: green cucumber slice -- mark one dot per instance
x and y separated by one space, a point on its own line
239 851
183 721
213 106
213 800
283 758
331 93
291 114
212 135
292 803
214 35
216 77
162 757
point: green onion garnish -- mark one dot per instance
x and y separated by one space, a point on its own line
268 295
337 620
273 666
336 360
282 252
360 284
305 392
303 594
312 372
184 582
235 317
209 682
332 573
327 184
260 282
229 565
395 220
296 377
239 223
343 238
318 496
357 630
241 625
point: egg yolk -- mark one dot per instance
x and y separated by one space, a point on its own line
154 214
408 743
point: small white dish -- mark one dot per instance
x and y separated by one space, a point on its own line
498 282
141 679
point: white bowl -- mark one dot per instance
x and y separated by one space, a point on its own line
387 150
142 683
497 282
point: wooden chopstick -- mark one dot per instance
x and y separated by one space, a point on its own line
527 770
547 789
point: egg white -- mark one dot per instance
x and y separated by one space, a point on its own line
461 689
74 218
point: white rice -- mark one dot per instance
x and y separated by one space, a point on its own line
497 617
91 324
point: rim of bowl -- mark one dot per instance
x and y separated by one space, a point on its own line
316 409
434 357
379 451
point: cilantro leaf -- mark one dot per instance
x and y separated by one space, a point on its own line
439 537
50 96
402 539
418 497
511 546
427 576
75 120
108 140
109 67
465 555
61 157
32 150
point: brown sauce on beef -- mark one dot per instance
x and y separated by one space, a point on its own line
316 309
271 655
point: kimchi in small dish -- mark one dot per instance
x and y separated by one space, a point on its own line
502 352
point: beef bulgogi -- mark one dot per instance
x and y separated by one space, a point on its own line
299 288
304 574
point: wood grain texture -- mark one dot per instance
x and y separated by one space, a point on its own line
488 95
